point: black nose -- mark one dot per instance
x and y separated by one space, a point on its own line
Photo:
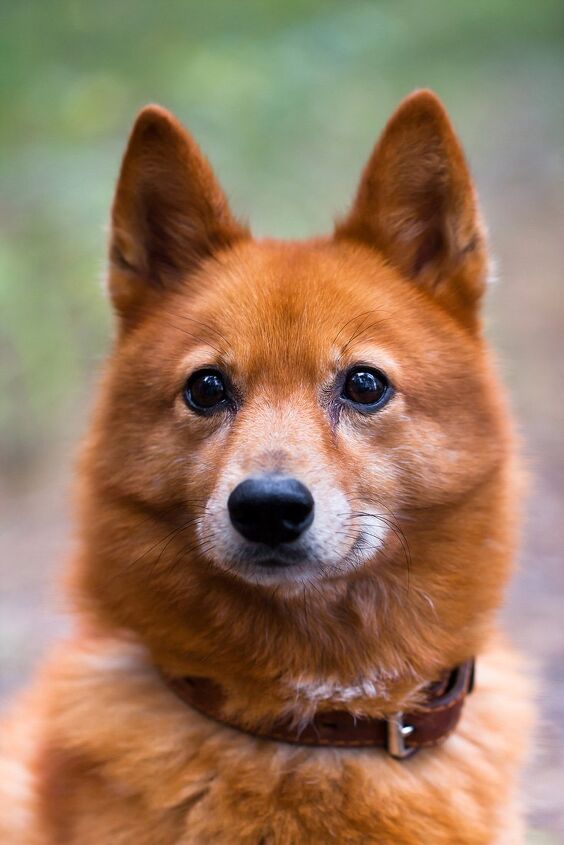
271 509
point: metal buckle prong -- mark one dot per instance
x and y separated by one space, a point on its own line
397 734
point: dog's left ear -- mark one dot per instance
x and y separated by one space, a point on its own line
169 213
417 205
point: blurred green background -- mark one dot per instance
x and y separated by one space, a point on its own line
287 99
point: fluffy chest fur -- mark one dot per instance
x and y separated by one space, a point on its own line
122 761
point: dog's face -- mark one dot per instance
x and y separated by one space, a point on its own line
284 413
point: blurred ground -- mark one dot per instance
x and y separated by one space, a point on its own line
287 98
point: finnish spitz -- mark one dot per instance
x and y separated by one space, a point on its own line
296 511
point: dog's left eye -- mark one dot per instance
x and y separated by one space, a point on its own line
205 390
367 388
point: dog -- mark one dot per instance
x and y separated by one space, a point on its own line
297 508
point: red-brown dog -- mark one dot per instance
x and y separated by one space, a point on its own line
296 524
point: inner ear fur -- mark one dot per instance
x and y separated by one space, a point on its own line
169 212
417 205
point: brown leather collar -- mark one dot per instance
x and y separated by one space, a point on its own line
400 734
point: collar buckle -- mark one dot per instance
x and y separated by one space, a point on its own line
398 732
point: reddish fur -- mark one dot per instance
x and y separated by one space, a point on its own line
399 283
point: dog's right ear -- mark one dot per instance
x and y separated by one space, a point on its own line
416 204
169 212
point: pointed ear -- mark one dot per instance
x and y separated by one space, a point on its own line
417 205
169 212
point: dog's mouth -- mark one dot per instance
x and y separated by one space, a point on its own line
289 563
262 558
275 562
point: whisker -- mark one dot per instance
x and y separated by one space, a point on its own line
392 523
352 319
179 328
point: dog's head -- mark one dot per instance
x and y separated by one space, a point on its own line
297 414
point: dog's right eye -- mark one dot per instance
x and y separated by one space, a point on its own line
366 388
205 391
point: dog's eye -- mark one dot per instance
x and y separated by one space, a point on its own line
205 390
367 388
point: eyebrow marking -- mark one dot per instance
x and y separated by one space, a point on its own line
203 356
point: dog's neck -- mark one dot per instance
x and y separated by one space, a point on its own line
346 658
